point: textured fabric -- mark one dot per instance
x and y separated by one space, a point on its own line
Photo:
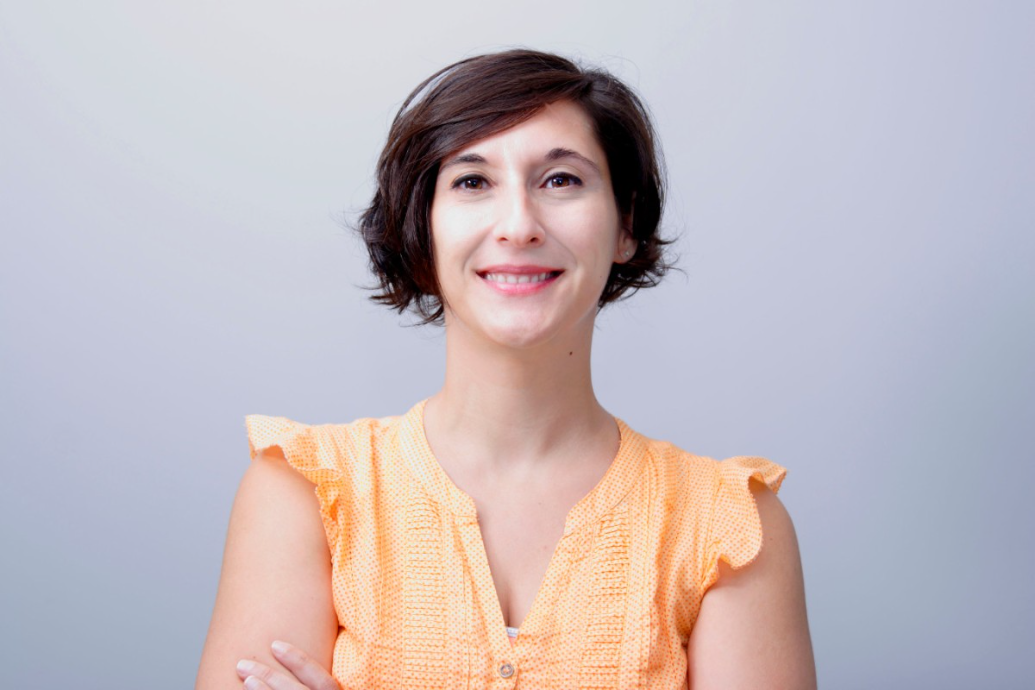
412 589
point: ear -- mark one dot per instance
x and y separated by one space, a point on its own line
625 248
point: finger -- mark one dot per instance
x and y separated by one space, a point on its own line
269 679
306 669
253 683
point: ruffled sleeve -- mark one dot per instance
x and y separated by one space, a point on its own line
305 449
735 532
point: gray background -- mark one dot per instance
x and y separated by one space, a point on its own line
852 185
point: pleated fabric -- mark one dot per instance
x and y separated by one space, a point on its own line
415 600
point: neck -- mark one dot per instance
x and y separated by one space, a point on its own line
511 407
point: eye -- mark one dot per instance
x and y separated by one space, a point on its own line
561 180
471 183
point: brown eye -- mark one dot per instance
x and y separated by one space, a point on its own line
471 183
563 180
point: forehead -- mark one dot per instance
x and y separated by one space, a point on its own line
559 125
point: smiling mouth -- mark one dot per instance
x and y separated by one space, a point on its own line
519 278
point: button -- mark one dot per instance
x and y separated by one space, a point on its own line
506 671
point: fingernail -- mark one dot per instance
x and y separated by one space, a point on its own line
246 666
252 683
279 647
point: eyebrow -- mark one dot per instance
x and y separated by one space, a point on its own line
560 154
463 158
555 154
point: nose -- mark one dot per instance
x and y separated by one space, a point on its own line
518 220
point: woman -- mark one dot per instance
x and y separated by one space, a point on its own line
508 531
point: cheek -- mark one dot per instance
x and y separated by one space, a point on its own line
442 230
451 244
598 236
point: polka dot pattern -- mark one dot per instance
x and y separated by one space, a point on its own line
412 588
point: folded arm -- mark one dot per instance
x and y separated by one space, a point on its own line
276 577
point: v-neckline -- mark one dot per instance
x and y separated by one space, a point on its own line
616 483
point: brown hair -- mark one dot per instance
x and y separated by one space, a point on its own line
476 98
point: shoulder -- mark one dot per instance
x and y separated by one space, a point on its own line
708 506
332 465
313 449
710 484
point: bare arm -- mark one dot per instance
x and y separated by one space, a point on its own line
752 631
276 577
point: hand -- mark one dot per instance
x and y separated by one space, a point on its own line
307 674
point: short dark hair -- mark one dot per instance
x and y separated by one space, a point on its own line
476 98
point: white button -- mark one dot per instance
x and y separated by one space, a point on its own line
506 671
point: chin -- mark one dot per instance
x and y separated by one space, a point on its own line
523 329
526 331
519 336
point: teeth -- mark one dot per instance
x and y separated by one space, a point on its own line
514 279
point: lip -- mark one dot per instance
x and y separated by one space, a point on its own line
519 288
516 269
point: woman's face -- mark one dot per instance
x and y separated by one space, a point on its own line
525 229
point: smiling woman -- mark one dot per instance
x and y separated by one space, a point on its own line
508 531
495 206
475 99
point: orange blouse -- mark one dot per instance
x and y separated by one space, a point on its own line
415 600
